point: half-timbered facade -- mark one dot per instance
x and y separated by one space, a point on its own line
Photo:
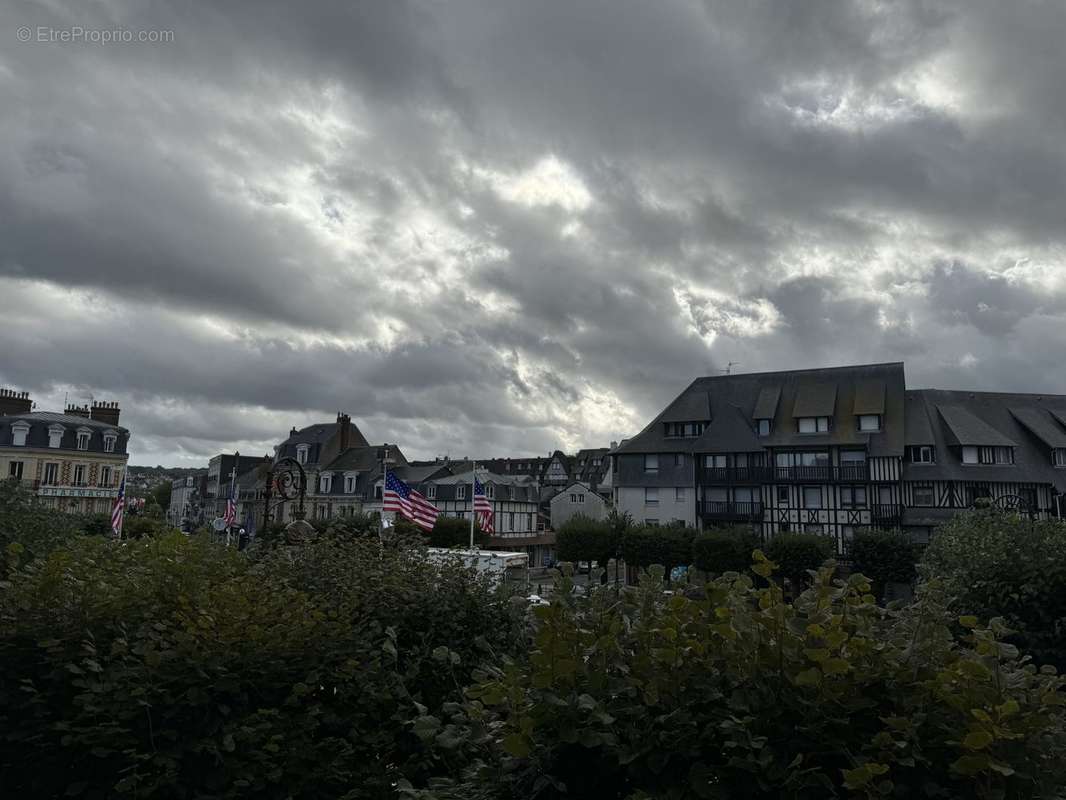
834 450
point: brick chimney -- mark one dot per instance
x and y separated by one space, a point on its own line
344 424
77 411
105 412
12 402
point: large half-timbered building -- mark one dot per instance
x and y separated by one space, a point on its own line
834 450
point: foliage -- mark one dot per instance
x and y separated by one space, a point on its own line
161 494
669 547
170 667
727 550
736 693
796 553
1006 565
619 521
454 532
28 530
582 538
884 557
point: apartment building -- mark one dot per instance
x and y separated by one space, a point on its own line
72 461
834 450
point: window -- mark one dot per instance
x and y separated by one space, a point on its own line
813 424
510 521
301 453
651 496
83 440
105 476
812 497
349 484
679 494
853 497
577 498
714 461
51 474
55 435
109 442
684 430
679 459
651 463
922 495
762 427
460 491
79 475
813 459
969 455
782 495
490 491
1058 457
853 456
921 454
987 455
325 483
18 433
15 470
869 422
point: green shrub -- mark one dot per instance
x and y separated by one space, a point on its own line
884 557
999 564
453 532
28 530
796 553
739 694
170 667
727 550
584 539
668 547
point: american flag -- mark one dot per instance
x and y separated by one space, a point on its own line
118 508
482 508
400 497
230 517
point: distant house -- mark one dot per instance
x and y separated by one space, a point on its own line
576 499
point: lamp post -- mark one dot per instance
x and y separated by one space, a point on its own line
288 477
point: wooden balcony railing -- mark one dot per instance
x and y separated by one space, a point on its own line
851 472
724 509
886 513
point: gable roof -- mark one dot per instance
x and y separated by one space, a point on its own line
870 398
1041 424
815 400
766 404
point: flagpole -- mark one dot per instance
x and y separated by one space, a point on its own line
473 491
384 481
233 495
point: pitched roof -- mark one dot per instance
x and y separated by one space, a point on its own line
363 459
870 398
815 400
766 404
71 420
965 428
1041 424
729 431
919 428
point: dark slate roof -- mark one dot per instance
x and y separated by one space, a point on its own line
766 405
918 424
729 432
688 407
964 428
870 398
744 391
364 459
71 420
1042 424
320 432
815 400
993 411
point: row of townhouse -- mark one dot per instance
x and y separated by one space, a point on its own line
834 450
72 461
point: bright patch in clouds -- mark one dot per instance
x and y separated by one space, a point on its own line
549 182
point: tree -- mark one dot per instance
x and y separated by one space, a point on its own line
454 532
161 494
582 538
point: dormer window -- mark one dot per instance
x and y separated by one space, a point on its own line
762 427
921 454
684 430
349 482
109 442
812 424
55 435
431 492
325 483
83 440
19 431
301 453
869 423
1058 456
988 455
490 491
460 491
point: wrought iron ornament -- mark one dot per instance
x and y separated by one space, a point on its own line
289 480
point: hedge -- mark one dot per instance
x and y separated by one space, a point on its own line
796 553
724 550
884 557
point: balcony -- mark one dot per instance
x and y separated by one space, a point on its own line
886 514
755 474
852 472
726 510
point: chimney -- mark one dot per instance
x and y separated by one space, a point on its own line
293 432
77 411
12 402
614 445
105 412
344 423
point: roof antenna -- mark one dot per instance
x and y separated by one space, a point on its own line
729 367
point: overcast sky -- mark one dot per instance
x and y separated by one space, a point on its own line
500 227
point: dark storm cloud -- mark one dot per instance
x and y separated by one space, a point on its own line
512 226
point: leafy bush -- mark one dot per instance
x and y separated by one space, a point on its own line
741 694
668 547
170 667
28 530
453 532
724 550
884 557
997 564
584 539
796 553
